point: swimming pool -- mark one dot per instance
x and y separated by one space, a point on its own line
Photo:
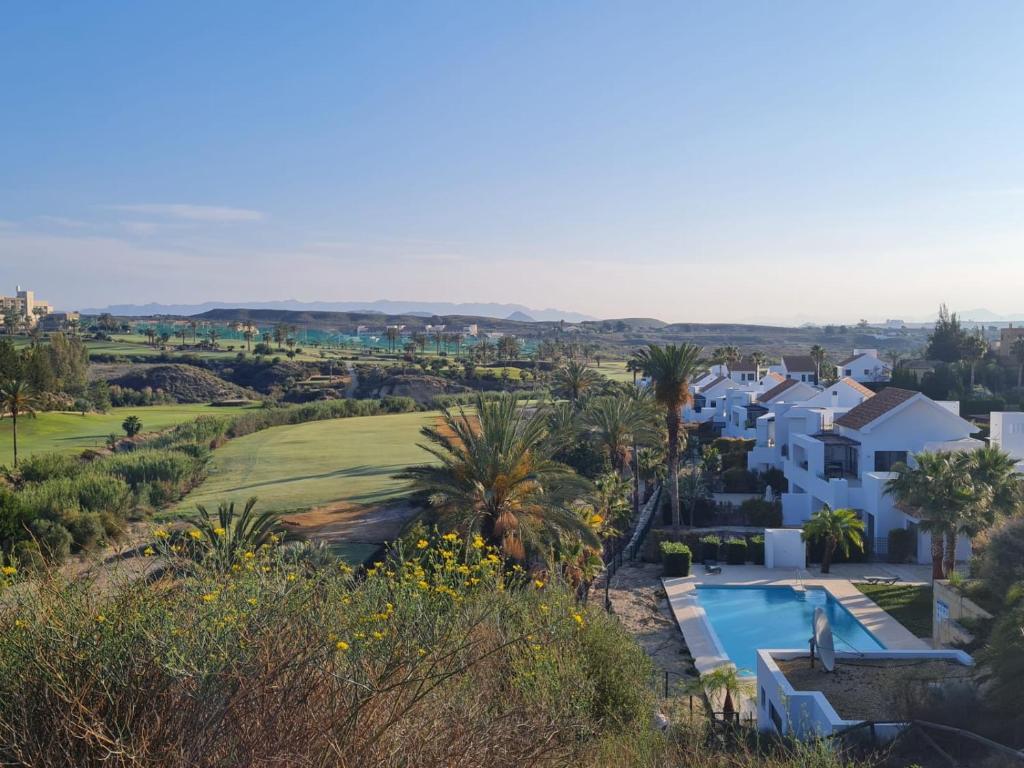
748 618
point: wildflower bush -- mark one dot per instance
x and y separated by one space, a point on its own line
440 656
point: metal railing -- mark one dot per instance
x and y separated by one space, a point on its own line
922 728
614 559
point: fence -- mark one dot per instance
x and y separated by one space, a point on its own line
616 557
956 740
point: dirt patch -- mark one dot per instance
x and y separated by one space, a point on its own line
870 689
343 521
639 600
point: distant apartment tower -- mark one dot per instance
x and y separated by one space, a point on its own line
25 306
471 330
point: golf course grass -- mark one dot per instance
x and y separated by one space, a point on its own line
303 466
68 432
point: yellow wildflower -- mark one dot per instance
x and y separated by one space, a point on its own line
219 531
291 577
538 584
249 555
100 618
342 645
422 544
423 584
478 542
451 537
578 619
378 635
596 521
149 551
209 597
196 535
252 601
8 570
161 533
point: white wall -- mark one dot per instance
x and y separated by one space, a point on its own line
784 548
1007 432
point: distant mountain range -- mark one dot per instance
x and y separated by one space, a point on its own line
420 308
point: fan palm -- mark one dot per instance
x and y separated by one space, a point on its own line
725 683
616 425
837 529
17 398
672 368
938 491
575 380
496 476
226 537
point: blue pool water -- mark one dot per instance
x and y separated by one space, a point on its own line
748 618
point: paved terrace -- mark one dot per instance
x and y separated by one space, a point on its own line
705 651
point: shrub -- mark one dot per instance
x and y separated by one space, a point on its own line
756 547
675 557
739 480
901 545
1002 564
736 551
776 478
761 513
709 546
54 540
86 530
43 466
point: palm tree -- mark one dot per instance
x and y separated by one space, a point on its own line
495 476
974 349
17 399
818 355
194 325
672 368
732 355
936 491
226 538
634 365
838 529
1018 353
456 339
760 360
616 425
727 683
575 380
132 425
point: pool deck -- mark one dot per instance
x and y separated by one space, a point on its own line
707 655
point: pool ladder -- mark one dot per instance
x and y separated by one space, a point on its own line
799 587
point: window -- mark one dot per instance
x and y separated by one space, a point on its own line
774 715
848 372
886 460
763 696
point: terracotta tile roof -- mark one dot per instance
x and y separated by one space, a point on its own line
798 363
856 386
775 376
777 390
874 407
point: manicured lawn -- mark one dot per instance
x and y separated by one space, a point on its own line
69 432
910 605
303 466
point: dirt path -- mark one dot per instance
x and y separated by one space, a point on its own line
639 601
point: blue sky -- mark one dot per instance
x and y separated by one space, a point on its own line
693 161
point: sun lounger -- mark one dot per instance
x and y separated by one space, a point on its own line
710 566
881 579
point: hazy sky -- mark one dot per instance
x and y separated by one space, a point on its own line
693 161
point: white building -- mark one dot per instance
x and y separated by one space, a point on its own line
745 371
471 330
849 459
865 366
1007 434
800 368
746 408
790 412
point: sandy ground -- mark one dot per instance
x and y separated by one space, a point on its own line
344 521
639 601
869 690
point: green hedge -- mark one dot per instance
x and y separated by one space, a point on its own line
756 548
736 551
709 546
675 558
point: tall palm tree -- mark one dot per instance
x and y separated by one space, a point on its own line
672 368
1017 349
616 425
974 349
999 489
732 355
634 365
837 529
818 355
760 360
495 476
937 490
575 380
17 399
